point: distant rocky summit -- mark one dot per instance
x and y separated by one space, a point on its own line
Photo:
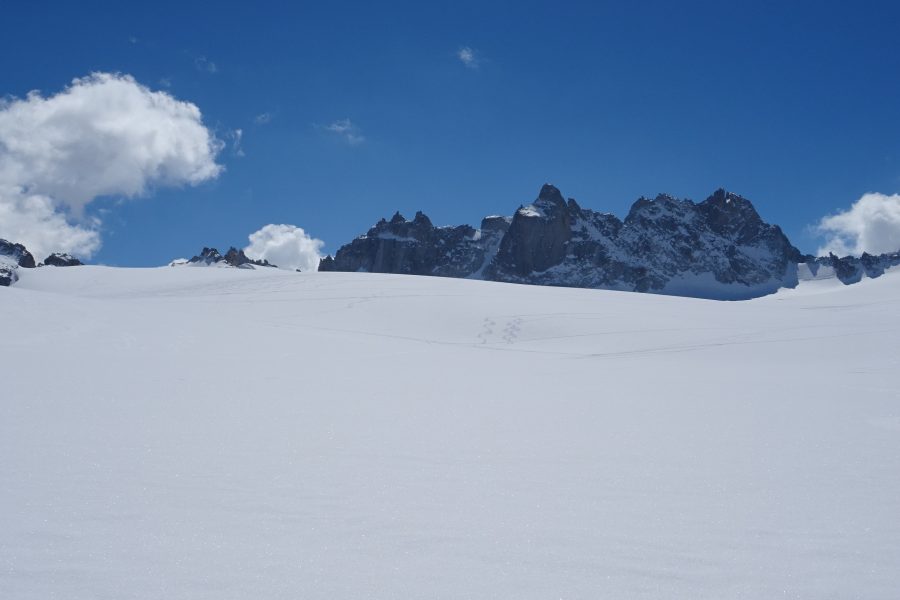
61 259
848 269
718 248
210 257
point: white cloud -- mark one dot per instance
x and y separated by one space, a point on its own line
201 63
33 220
349 132
104 135
287 246
871 224
236 135
263 119
469 57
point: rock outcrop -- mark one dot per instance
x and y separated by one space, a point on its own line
61 259
13 256
233 258
17 253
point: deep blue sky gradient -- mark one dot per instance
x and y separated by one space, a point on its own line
792 104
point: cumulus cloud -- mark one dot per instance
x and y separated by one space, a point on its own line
33 220
871 224
287 246
104 135
349 132
468 57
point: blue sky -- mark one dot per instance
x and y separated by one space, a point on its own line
793 105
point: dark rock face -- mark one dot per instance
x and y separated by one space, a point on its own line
233 258
412 247
327 264
718 248
17 253
59 259
538 236
208 256
13 256
237 258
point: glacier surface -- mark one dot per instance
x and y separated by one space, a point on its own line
228 433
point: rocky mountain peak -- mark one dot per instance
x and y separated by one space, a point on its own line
537 236
660 207
207 256
422 220
398 227
550 195
734 215
732 206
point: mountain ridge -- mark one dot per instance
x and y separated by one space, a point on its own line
717 248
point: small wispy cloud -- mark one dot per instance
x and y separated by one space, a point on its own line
201 63
346 130
165 82
263 118
468 57
236 136
132 39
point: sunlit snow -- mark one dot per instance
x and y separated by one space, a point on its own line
224 433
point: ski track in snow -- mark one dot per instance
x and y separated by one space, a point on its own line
214 433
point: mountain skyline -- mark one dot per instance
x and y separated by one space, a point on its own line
341 114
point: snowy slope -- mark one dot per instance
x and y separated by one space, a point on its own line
224 433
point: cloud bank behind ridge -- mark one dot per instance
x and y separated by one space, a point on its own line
871 224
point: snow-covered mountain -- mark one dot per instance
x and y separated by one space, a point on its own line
718 248
227 434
